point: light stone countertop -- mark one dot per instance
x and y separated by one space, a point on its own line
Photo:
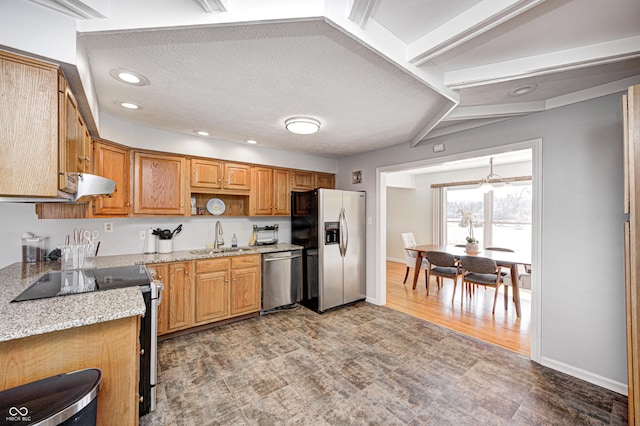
28 318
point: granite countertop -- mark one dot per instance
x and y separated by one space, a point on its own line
23 319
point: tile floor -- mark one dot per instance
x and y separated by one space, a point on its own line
363 364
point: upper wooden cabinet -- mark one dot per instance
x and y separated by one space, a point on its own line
271 193
28 127
159 184
211 176
112 161
325 180
74 155
302 180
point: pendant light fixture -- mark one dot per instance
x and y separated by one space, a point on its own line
485 183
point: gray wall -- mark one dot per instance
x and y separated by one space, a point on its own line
582 306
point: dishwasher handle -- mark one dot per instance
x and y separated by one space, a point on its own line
282 256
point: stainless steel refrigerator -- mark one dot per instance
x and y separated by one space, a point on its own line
330 225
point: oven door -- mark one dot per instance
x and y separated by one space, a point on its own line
146 353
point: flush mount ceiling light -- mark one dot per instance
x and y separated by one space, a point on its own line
128 105
523 90
202 132
251 141
129 77
485 183
302 125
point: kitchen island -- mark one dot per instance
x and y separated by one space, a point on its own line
41 338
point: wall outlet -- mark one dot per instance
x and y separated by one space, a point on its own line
143 235
108 227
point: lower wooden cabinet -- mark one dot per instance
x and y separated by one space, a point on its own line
221 288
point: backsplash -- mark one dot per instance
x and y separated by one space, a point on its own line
125 238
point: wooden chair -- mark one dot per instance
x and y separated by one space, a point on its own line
523 270
410 255
482 271
442 265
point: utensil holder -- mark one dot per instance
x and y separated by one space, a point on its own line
77 256
165 246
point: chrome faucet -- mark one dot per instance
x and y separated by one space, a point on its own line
219 241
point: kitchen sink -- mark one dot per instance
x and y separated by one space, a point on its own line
219 250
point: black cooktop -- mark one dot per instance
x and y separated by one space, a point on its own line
78 281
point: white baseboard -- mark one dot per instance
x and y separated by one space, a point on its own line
373 301
588 376
395 259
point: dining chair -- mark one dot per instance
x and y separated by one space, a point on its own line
477 270
410 255
523 270
442 265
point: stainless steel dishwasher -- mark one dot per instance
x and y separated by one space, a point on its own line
281 279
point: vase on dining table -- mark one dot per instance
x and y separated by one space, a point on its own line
472 247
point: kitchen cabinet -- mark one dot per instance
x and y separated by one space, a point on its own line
212 290
112 161
174 311
177 296
302 180
29 129
325 180
220 289
75 141
245 284
271 193
211 176
159 184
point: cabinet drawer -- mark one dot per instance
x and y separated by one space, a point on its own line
212 265
243 261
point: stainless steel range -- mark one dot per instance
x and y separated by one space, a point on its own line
66 283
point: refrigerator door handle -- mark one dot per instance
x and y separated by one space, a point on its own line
344 233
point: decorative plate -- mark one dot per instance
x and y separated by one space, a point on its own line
216 206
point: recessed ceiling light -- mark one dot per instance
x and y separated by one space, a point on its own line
202 132
302 125
523 90
251 141
129 105
129 77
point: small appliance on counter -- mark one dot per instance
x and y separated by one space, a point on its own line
265 235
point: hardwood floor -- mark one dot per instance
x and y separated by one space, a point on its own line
473 318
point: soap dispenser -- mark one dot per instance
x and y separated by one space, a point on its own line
234 241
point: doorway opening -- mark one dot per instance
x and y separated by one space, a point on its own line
417 215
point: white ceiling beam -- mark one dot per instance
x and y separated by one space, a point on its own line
475 21
360 11
548 63
444 111
74 8
211 6
495 111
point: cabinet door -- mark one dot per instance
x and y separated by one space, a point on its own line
87 149
29 102
237 176
159 184
112 162
245 290
262 191
211 300
179 296
70 154
325 181
302 180
206 174
281 192
162 274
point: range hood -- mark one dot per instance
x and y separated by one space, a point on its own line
89 187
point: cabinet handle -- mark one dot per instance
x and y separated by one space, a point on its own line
87 159
142 351
186 272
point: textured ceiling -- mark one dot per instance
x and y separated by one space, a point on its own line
242 82
376 73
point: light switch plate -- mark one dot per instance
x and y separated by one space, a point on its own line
439 147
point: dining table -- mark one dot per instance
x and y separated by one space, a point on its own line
506 259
